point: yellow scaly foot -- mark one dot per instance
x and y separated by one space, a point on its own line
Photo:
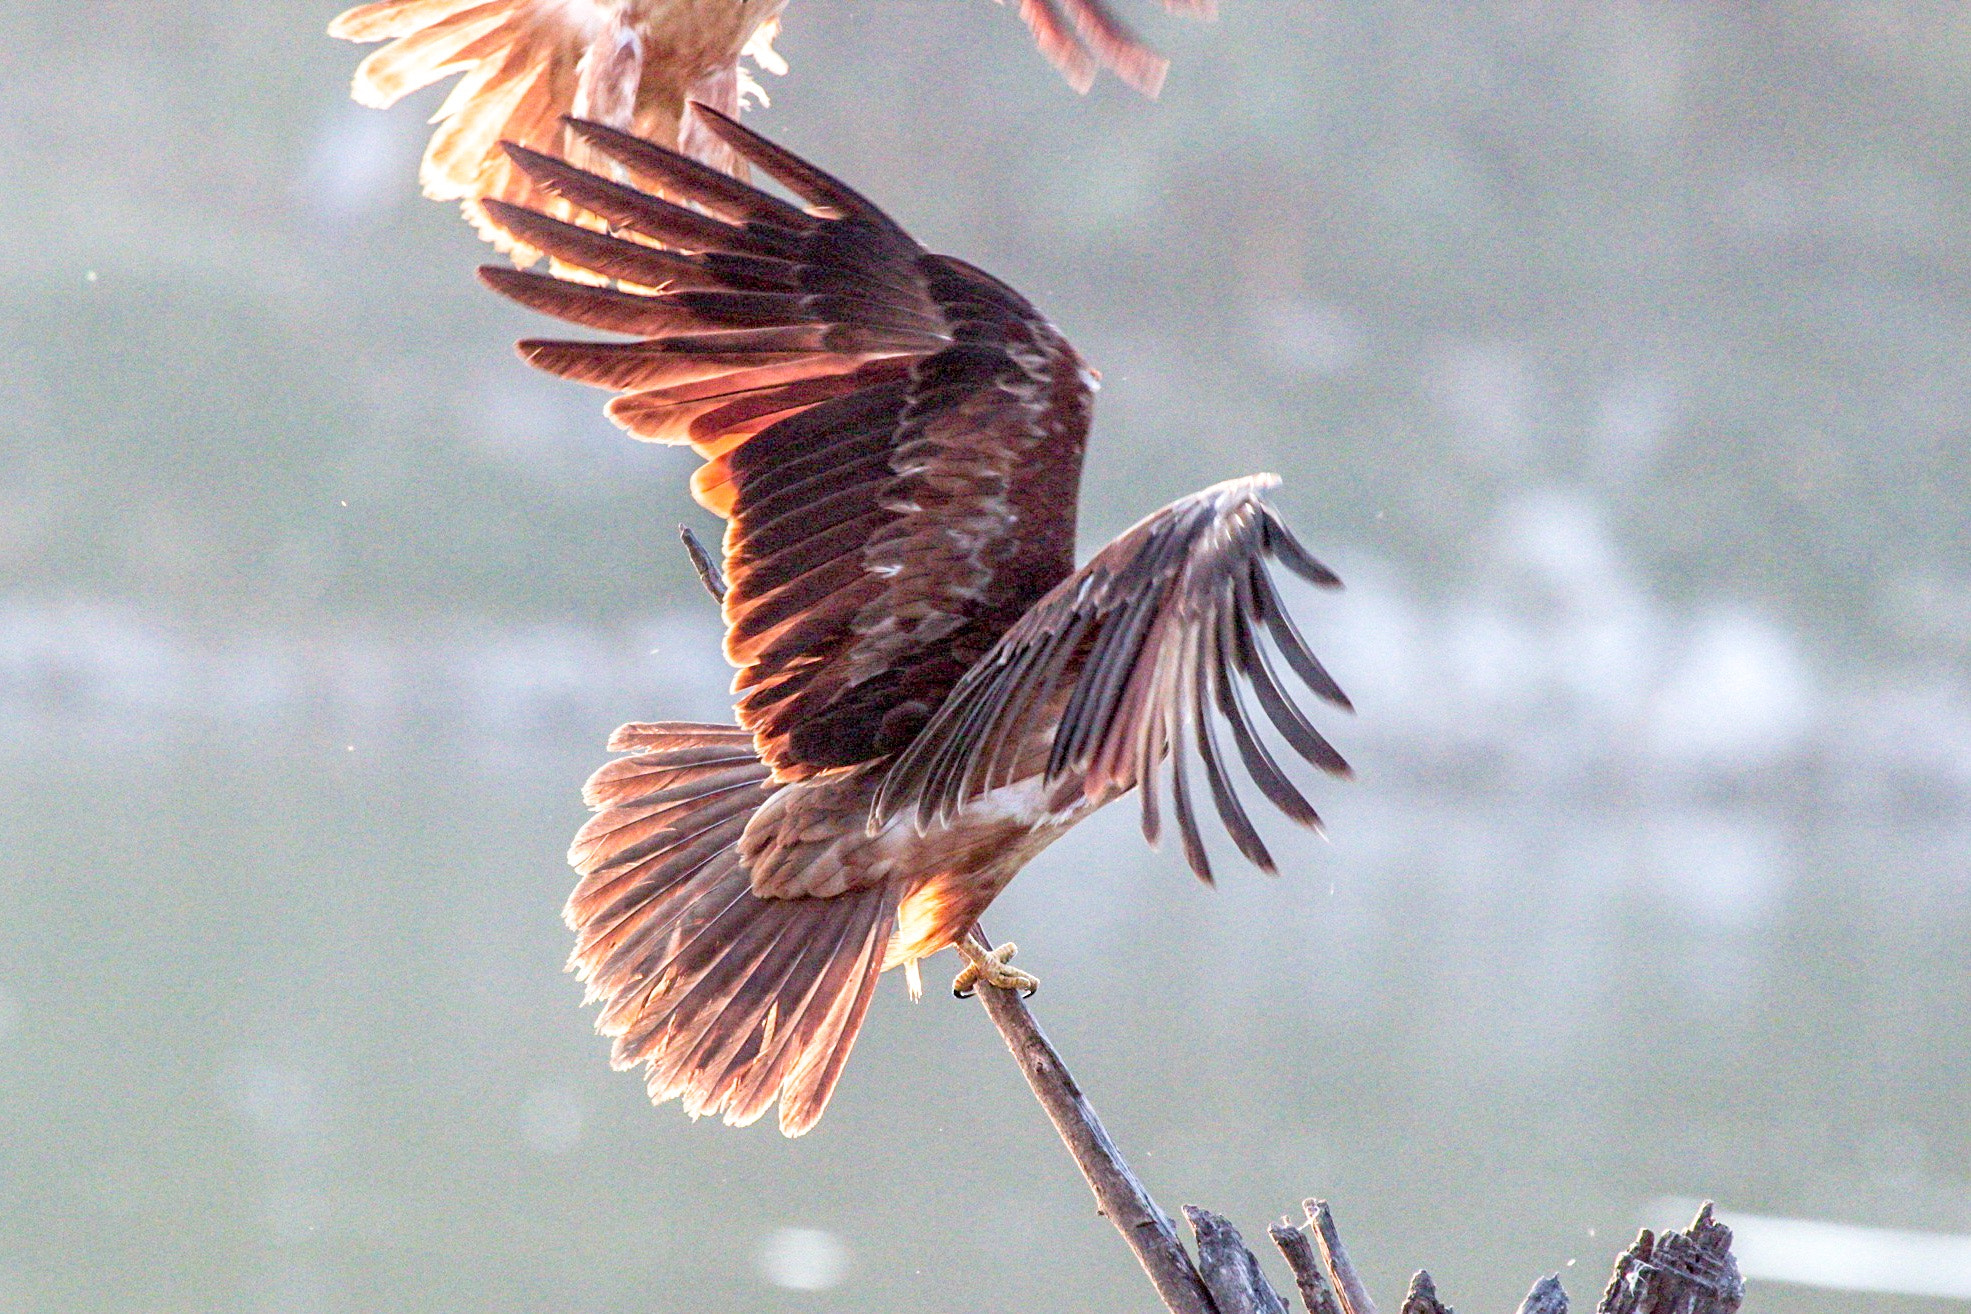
990 966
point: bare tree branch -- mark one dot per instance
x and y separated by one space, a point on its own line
1342 1278
1692 1272
1306 1266
1118 1193
1546 1297
1422 1296
1231 1271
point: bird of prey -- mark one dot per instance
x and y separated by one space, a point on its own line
632 64
929 691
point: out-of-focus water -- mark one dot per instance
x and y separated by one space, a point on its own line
284 1028
1613 353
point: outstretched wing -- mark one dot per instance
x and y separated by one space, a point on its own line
894 437
1121 668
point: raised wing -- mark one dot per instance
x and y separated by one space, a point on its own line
1120 669
894 437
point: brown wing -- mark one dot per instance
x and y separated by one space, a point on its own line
894 436
1121 667
1083 37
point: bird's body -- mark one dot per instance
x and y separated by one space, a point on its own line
631 64
930 692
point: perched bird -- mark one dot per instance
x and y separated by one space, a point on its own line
929 692
630 64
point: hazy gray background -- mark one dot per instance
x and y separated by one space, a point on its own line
1615 354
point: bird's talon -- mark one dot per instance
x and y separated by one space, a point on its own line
991 967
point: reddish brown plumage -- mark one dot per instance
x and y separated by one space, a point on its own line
929 692
832 371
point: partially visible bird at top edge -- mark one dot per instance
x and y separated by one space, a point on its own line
929 691
635 65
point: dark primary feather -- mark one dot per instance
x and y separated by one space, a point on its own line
1135 659
894 436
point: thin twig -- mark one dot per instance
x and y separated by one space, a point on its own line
704 563
1342 1277
1118 1194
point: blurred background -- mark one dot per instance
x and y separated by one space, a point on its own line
1614 353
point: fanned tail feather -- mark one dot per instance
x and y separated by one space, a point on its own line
733 1001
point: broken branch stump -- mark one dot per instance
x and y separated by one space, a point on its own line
1688 1272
